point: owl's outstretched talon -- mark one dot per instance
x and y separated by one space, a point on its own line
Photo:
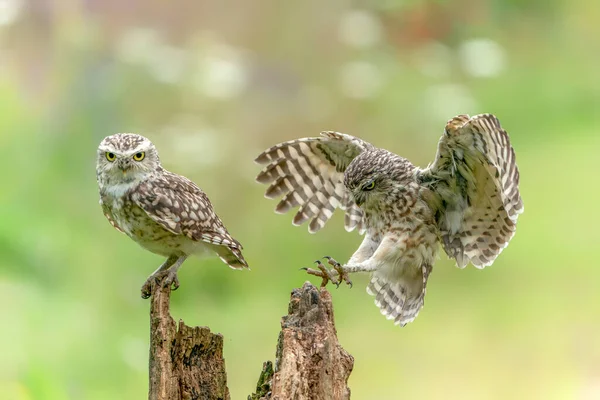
336 276
342 273
322 273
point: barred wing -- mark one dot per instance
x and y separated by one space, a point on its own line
477 180
309 173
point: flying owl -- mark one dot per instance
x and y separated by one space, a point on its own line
467 199
163 212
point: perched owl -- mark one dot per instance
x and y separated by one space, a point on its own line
467 199
163 212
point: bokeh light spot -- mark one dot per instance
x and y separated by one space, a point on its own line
359 28
482 57
360 80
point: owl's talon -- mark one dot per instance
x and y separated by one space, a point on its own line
146 289
174 284
325 278
323 273
343 275
148 286
339 268
171 280
330 275
332 262
168 279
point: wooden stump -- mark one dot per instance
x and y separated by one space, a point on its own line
309 361
186 363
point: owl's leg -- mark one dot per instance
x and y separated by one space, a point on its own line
170 268
172 273
366 249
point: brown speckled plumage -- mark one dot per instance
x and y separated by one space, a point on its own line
467 199
165 213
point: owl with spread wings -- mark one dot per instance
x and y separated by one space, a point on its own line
468 200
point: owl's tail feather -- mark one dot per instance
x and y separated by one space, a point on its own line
232 256
399 299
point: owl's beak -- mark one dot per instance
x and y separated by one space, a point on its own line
124 166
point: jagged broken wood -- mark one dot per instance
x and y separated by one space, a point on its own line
309 361
185 362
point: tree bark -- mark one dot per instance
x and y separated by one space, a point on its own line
309 361
186 363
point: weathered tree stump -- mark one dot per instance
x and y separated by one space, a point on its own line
186 363
310 364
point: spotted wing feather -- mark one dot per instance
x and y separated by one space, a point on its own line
309 173
182 208
476 178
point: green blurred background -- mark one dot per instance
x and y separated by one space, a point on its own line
213 83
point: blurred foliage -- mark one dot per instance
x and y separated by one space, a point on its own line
212 84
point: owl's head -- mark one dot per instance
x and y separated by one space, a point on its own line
126 157
373 177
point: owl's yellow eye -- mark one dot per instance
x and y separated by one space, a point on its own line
369 186
139 156
110 156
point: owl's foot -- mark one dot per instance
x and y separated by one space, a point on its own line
323 273
342 273
168 278
330 275
166 273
